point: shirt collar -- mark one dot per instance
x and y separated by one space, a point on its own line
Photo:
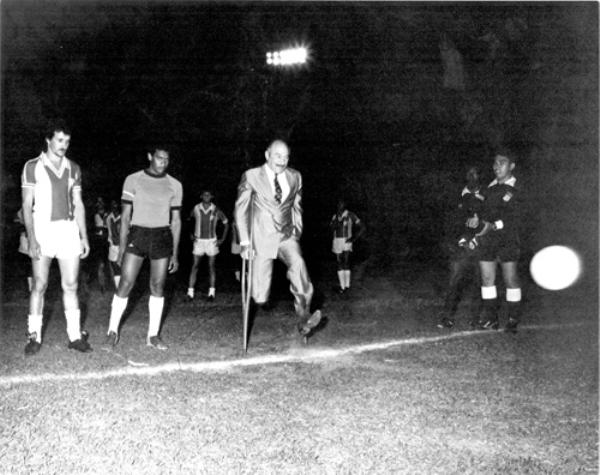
344 214
48 163
206 210
271 174
466 191
510 182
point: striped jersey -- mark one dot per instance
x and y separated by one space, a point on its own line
53 187
113 223
153 197
206 221
342 225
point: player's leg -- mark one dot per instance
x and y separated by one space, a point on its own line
40 270
346 268
452 295
489 295
262 273
156 301
193 277
130 269
513 294
212 277
340 272
69 275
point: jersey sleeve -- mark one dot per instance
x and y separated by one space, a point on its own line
177 198
28 175
129 188
76 175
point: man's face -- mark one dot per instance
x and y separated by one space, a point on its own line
159 161
341 207
207 197
59 144
277 156
472 175
503 168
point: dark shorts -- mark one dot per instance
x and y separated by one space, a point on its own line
498 247
154 243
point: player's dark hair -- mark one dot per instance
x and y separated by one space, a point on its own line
506 152
153 148
56 125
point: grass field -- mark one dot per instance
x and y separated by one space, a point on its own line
419 400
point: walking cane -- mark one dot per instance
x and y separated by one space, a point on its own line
246 283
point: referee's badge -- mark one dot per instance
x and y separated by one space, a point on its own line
507 197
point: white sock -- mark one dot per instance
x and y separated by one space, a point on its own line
73 324
489 293
117 309
340 274
190 292
117 280
237 275
34 325
347 278
211 292
30 283
155 307
513 295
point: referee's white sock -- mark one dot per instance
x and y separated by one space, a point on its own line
190 292
211 292
340 274
34 325
119 304
73 317
155 307
347 278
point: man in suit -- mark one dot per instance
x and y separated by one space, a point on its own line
268 209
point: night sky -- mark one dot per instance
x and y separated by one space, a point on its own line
367 118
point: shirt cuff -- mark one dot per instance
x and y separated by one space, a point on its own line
499 224
244 243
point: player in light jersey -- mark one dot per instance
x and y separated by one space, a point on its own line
343 224
206 216
54 217
150 228
113 223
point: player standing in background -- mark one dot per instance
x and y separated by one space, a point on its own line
150 228
99 242
462 250
236 250
500 243
54 217
113 224
206 216
343 224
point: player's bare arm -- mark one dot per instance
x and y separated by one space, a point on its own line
27 206
79 213
176 232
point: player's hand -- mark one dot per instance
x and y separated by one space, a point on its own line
473 222
85 248
349 241
473 244
246 253
173 264
219 242
34 249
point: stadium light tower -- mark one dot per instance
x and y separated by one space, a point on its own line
287 57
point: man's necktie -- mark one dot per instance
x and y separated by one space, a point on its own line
278 193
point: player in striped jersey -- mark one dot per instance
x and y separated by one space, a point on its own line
113 223
206 216
54 217
343 224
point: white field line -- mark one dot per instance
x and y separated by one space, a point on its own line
297 356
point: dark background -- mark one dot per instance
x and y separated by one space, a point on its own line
368 118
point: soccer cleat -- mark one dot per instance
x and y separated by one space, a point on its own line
189 298
33 346
445 323
490 325
210 298
81 344
475 324
157 343
111 340
511 326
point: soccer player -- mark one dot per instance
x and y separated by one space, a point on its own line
462 249
113 223
500 242
54 217
236 250
206 216
268 209
342 225
150 228
99 242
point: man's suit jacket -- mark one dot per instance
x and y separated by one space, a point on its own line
271 222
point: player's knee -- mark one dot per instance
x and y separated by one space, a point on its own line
157 287
39 285
69 285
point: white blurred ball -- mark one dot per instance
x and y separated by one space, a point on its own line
555 267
